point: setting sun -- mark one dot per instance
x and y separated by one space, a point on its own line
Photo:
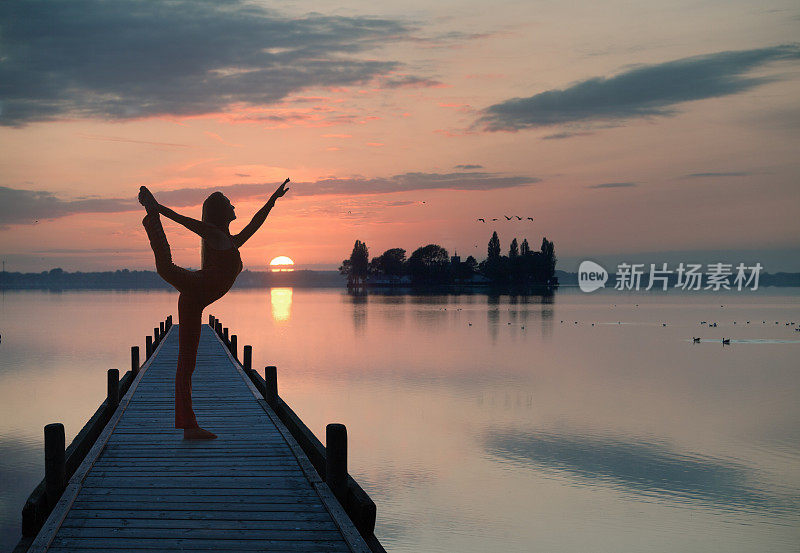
281 263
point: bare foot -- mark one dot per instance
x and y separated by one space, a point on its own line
147 199
197 434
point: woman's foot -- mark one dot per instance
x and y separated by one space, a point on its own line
197 434
147 199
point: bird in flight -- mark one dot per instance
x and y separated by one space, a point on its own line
530 218
495 219
507 217
518 217
481 219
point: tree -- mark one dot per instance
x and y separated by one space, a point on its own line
513 251
429 263
525 249
494 248
549 257
357 266
390 262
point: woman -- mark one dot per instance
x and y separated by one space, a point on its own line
221 264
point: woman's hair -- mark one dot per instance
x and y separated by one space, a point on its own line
215 209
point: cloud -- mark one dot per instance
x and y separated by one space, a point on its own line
121 139
563 135
644 91
27 206
411 81
131 59
613 185
650 469
469 166
31 206
711 175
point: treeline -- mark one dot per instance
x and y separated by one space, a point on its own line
58 279
432 264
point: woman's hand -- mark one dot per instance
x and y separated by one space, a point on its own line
280 191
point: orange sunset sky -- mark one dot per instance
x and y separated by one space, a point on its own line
653 131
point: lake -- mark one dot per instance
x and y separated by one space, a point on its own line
570 423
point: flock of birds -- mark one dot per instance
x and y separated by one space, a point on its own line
695 340
483 219
727 341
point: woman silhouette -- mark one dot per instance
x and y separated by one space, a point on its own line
220 265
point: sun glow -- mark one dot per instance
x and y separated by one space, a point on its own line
282 263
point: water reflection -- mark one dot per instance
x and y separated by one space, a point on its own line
645 468
358 298
281 300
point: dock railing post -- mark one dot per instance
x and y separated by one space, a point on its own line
148 346
162 328
336 460
234 346
247 353
113 390
135 360
218 327
225 337
271 385
211 321
55 471
156 337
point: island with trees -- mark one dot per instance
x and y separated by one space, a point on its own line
432 265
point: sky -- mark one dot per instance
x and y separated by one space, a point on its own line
629 131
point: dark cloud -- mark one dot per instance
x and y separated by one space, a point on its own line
131 58
639 92
711 175
410 81
650 469
28 206
613 185
469 166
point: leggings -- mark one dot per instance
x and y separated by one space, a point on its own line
196 292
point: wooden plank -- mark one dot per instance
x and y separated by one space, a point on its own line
70 545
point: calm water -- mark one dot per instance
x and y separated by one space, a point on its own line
480 423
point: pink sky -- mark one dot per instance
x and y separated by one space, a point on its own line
640 128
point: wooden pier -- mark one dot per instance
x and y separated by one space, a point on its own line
265 484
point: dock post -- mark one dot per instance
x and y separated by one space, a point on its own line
148 346
113 390
156 337
247 352
211 321
162 328
234 346
135 360
218 327
271 385
336 460
55 471
225 337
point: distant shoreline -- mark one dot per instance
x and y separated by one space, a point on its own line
124 279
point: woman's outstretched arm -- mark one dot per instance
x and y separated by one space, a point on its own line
208 232
259 217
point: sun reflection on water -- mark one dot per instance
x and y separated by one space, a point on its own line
281 299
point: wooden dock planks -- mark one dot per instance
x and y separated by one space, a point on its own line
143 488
